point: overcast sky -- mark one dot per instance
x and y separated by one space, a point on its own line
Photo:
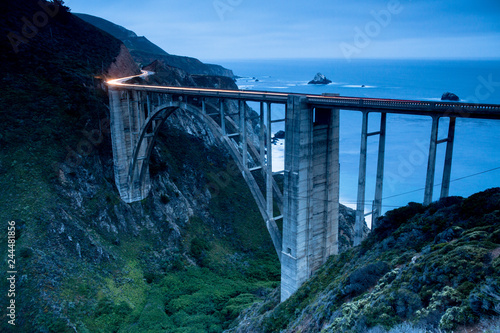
251 29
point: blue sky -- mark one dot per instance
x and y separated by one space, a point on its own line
263 29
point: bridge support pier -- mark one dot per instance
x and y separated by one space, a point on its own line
311 205
360 206
431 166
445 185
377 205
128 113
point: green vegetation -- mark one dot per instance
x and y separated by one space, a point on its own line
195 254
87 261
435 267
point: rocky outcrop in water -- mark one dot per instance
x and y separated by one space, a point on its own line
448 96
320 79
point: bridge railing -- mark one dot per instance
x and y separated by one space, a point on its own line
462 110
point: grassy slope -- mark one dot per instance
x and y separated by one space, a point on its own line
74 270
435 266
215 271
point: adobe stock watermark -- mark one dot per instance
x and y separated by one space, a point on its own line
364 36
86 146
417 157
31 26
482 92
484 89
222 7
409 164
222 179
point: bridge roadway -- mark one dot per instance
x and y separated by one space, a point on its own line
399 106
309 204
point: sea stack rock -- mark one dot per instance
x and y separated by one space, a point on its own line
320 79
448 96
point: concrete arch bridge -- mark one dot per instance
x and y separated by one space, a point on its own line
309 202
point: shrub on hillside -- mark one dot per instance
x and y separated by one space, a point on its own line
393 219
365 277
486 298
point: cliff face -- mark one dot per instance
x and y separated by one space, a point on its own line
171 75
122 66
86 261
145 52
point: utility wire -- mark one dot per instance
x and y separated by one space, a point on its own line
409 192
451 181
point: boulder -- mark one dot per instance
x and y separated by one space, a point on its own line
280 135
320 79
448 96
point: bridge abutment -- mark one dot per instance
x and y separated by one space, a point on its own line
127 117
311 205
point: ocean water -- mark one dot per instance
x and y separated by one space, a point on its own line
476 158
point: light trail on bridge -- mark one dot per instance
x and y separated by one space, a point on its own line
401 106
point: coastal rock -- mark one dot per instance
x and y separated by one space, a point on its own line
320 79
448 96
280 135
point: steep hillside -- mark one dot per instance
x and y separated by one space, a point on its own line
85 260
187 258
145 52
435 267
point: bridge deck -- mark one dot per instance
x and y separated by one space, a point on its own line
414 107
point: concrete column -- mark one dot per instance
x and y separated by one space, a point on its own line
262 139
243 136
360 208
125 120
149 110
377 211
298 133
310 223
445 185
269 169
222 116
323 234
431 165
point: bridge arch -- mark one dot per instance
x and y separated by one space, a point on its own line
138 172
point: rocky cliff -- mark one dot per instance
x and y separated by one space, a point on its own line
192 255
145 52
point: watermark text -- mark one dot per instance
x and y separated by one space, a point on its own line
11 272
